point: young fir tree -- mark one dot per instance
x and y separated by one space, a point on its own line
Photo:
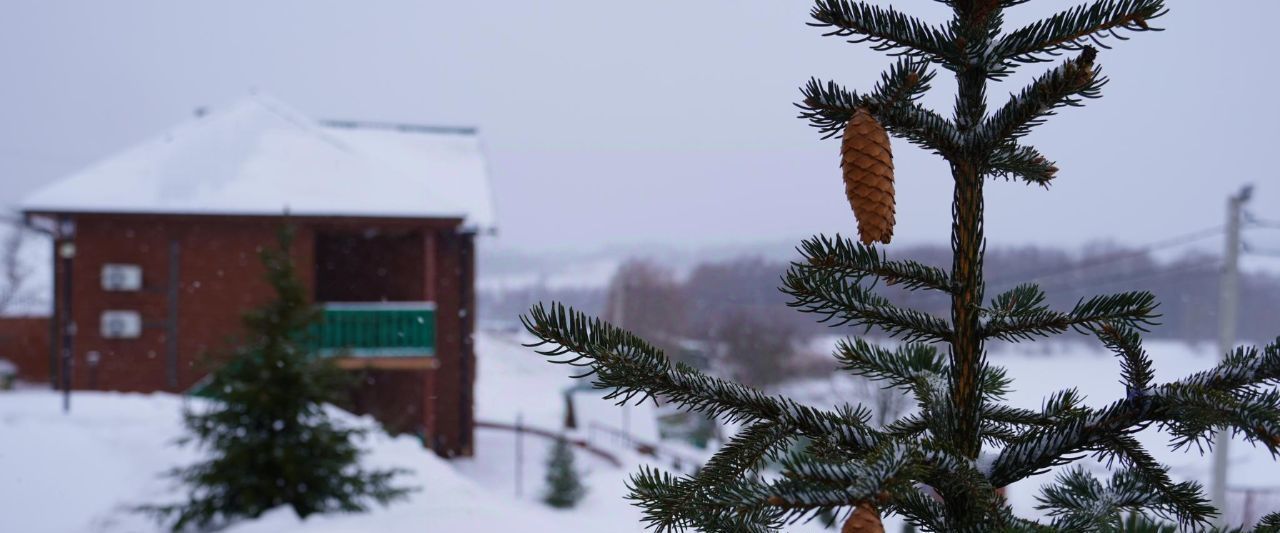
564 488
268 438
940 466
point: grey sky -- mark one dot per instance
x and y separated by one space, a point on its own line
660 121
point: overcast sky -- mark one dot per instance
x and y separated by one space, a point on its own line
650 122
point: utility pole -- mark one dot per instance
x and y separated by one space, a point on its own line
619 312
66 250
1228 305
519 469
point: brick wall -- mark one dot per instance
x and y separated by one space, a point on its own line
205 271
24 341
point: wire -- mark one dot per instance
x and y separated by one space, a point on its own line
1171 242
1261 252
1268 224
1150 274
1251 220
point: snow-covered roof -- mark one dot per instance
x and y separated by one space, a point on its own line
260 157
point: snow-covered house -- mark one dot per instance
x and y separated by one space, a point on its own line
156 255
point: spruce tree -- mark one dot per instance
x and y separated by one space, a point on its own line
940 466
564 488
268 438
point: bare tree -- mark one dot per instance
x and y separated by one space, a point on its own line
14 275
646 298
757 347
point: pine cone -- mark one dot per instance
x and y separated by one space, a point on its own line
865 519
867 162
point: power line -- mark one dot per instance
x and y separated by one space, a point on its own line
1150 274
1262 252
1251 220
1180 240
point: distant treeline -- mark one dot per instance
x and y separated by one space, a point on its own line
695 305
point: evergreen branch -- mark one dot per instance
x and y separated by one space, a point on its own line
1081 431
888 30
1191 409
1269 524
1243 367
1228 396
653 487
997 433
1014 416
909 426
918 508
749 504
1010 424
680 503
1013 161
1184 502
1081 503
993 382
852 259
1067 85
952 475
925 374
631 367
1135 365
838 474
1193 415
920 126
1129 309
828 106
1062 404
902 367
809 487
1019 315
1022 300
845 302
976 21
1075 28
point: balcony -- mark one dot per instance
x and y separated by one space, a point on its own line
368 330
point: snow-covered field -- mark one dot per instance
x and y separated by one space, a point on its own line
80 472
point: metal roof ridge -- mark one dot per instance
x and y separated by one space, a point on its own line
397 126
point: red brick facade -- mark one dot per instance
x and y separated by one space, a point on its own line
25 342
201 273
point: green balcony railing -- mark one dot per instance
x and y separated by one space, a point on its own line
377 329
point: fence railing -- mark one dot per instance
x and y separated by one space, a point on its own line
1245 506
376 329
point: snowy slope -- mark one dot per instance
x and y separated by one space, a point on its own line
81 472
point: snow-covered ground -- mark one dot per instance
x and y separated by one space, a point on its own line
80 472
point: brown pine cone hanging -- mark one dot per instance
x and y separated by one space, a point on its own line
867 162
865 519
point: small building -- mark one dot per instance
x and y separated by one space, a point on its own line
156 257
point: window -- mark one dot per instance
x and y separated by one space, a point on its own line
121 324
118 277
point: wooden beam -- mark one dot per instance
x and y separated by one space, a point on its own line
388 363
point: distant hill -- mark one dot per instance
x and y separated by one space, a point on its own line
1186 284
